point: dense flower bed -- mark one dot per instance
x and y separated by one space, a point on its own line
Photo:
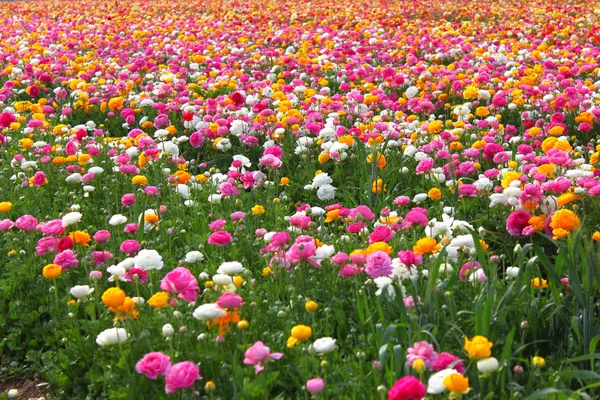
271 199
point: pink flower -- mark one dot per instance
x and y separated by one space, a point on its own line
425 166
66 259
409 258
46 245
378 264
358 258
141 274
128 199
180 281
238 216
350 270
270 161
407 388
382 233
340 258
302 251
182 375
230 301
257 354
517 222
101 236
409 302
6 224
154 364
421 350
131 228
217 225
151 191
315 385
278 241
416 216
101 257
467 269
364 212
26 223
402 200
39 178
444 360
220 238
130 246
54 227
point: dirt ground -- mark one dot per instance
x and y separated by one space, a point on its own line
28 389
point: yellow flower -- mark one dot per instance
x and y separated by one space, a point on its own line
80 237
300 333
419 365
482 112
538 362
509 177
457 384
116 103
479 347
311 306
266 271
324 157
113 297
258 210
596 236
539 283
564 221
238 281
5 206
139 180
379 246
52 271
332 215
471 92
434 194
243 324
284 181
427 245
159 300
210 387
377 187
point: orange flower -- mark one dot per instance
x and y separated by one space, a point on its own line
113 297
52 271
427 245
380 158
80 237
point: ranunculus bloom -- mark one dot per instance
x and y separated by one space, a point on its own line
444 360
182 375
130 246
230 300
180 281
220 238
154 364
26 223
378 264
421 350
517 222
257 354
407 388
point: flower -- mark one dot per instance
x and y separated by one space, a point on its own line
378 264
159 300
113 297
258 210
435 384
563 221
193 257
51 271
421 350
488 365
71 218
220 238
80 237
517 222
257 354
311 306
299 333
181 282
148 260
81 291
426 245
182 375
445 360
458 384
208 311
407 388
112 336
315 385
5 206
478 347
154 364
538 361
230 301
538 283
230 268
324 345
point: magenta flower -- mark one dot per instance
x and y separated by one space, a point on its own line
230 301
101 236
517 222
382 233
182 375
407 388
444 360
130 246
181 282
66 259
257 354
154 364
26 223
220 238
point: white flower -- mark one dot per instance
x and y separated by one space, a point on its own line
230 268
324 252
183 190
112 336
71 218
117 219
412 92
127 263
214 198
324 345
384 283
435 385
420 197
81 291
326 192
168 330
193 256
512 272
74 178
148 260
222 279
321 180
208 311
116 273
488 365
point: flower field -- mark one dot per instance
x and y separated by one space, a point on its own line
293 200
